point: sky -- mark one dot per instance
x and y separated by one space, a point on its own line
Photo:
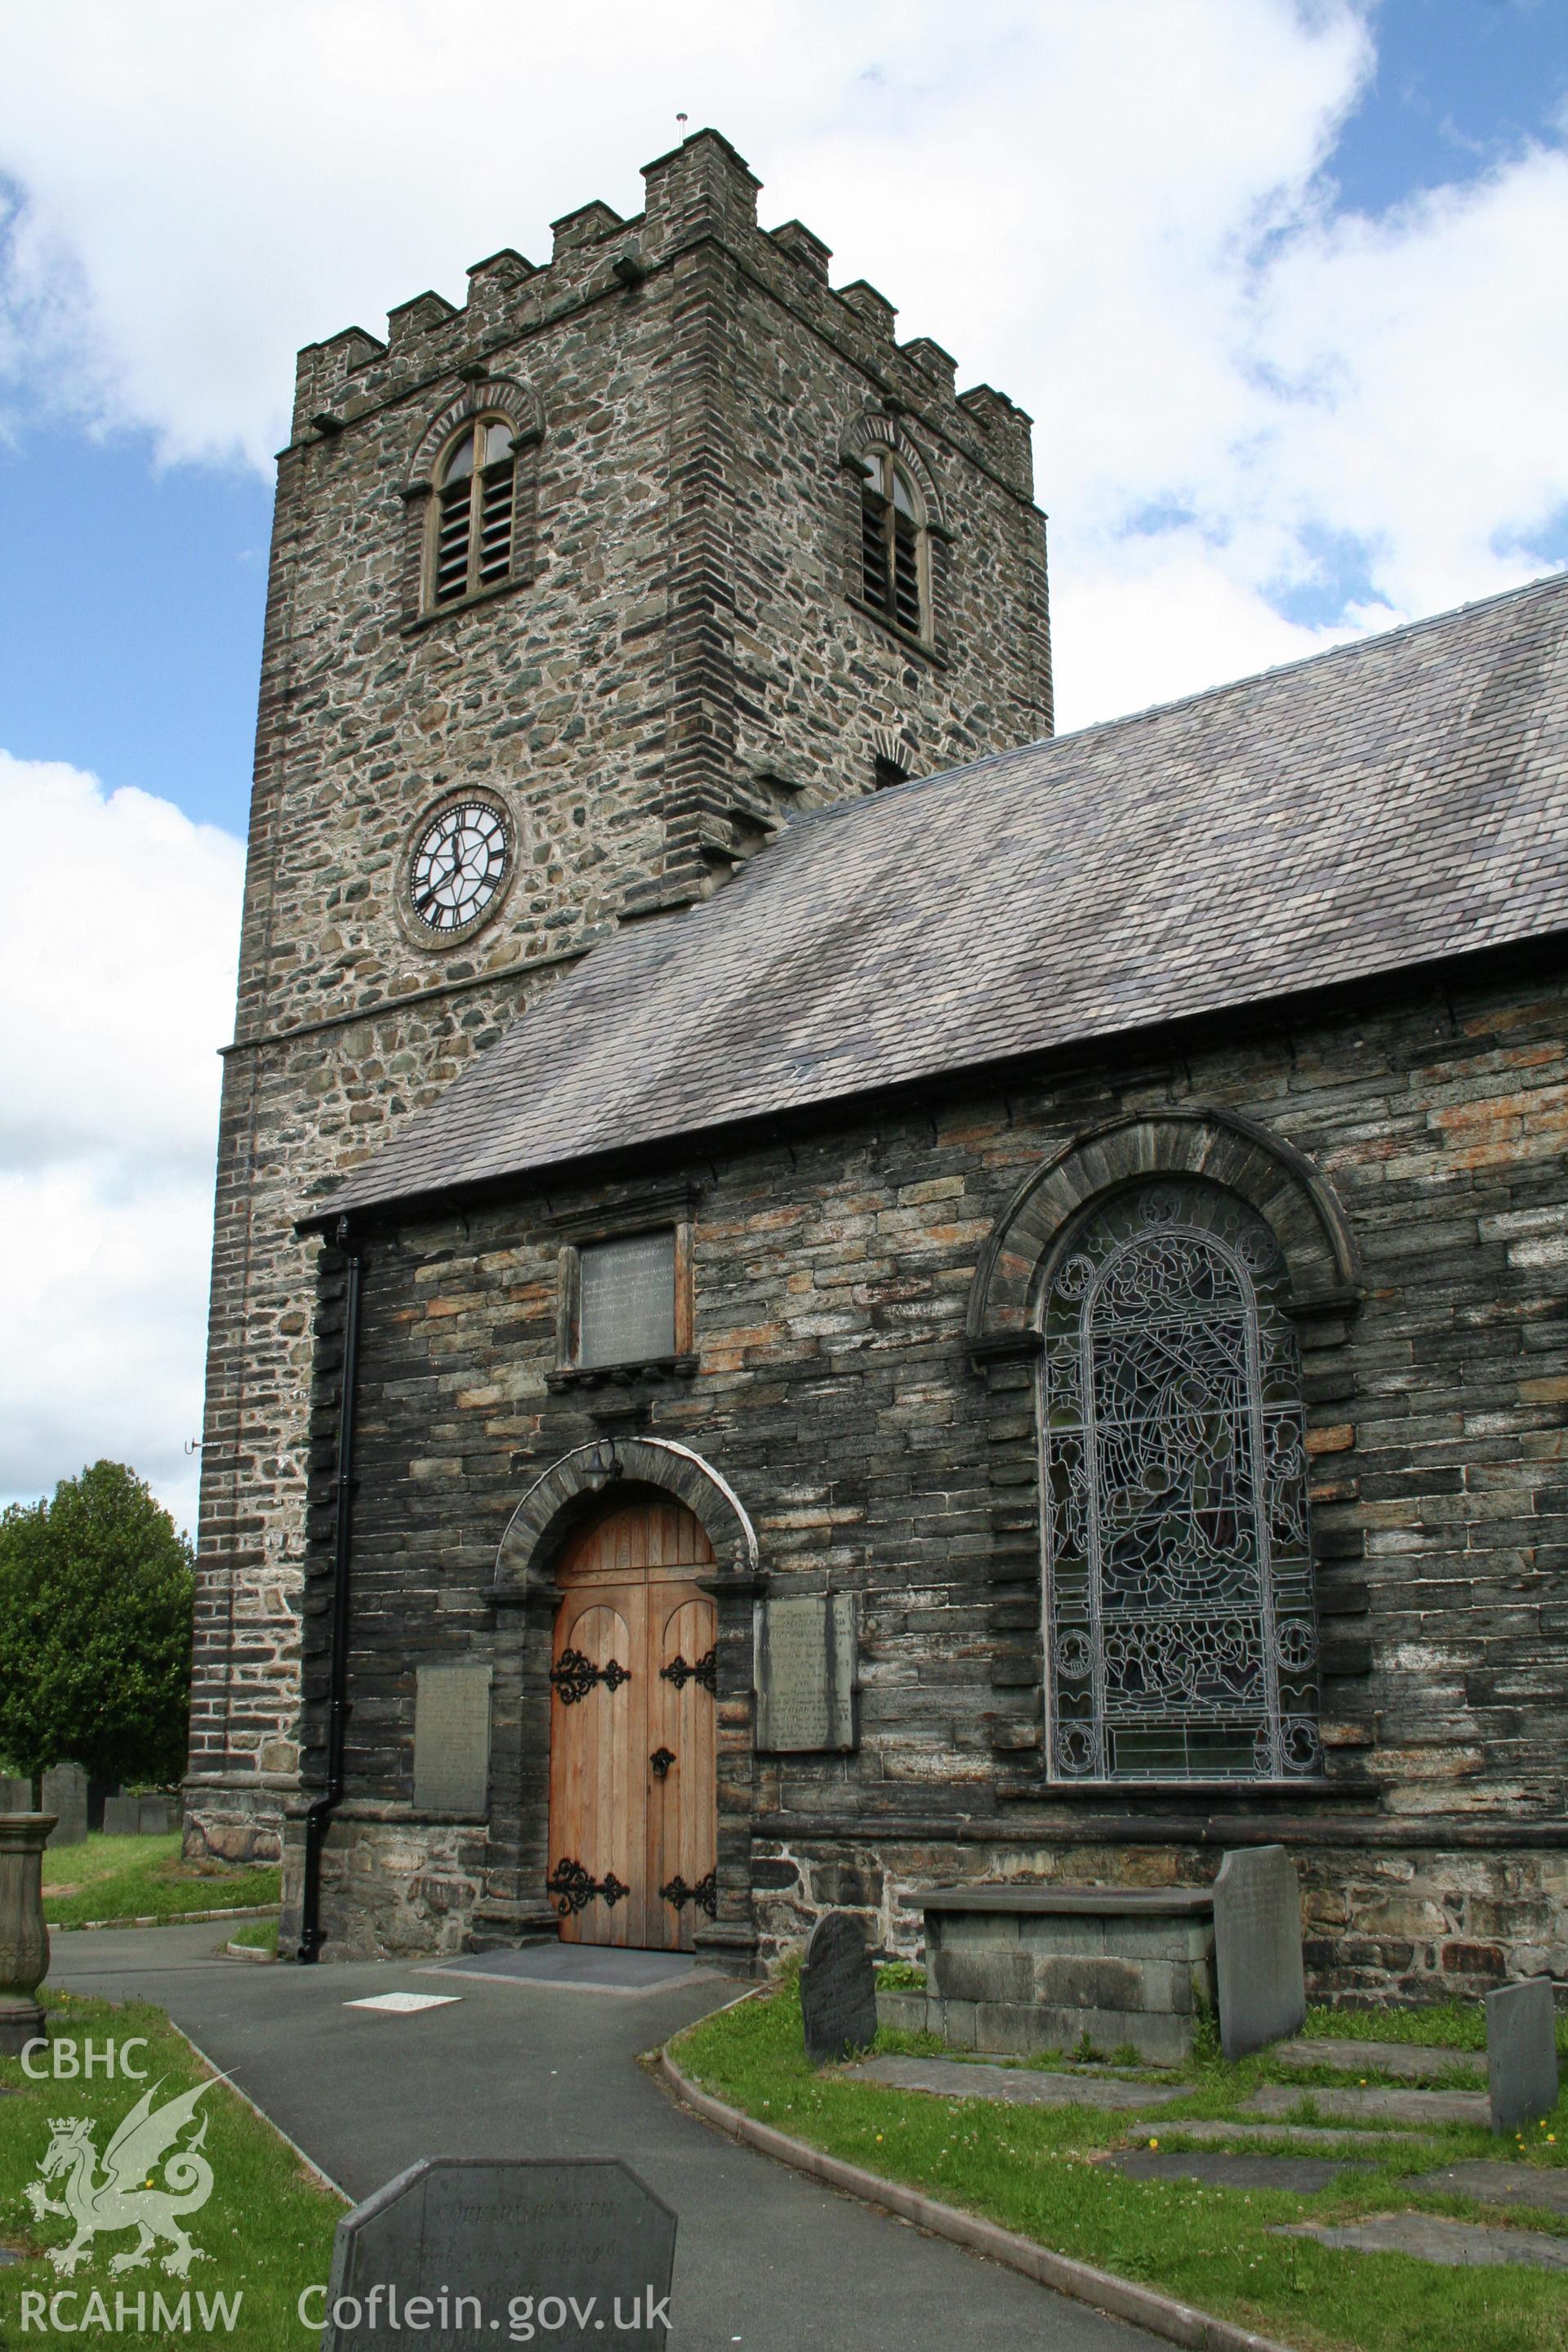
1280 282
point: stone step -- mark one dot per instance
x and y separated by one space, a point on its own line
1376 2104
1207 2128
1412 2062
1023 2087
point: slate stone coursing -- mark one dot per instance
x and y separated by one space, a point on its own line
675 665
837 1394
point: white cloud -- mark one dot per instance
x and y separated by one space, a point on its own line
1116 209
117 962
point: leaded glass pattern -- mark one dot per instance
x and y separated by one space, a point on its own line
1181 1635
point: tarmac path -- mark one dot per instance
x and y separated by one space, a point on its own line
765 2258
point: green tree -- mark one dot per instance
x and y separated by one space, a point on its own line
95 1594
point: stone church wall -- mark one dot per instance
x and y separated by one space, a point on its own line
675 670
836 1393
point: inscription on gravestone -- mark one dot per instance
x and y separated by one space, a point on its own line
65 1796
460 2250
805 1658
837 1990
451 1739
625 1300
1521 2052
1257 1950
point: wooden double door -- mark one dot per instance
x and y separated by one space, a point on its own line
633 1809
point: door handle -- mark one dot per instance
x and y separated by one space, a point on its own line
661 1760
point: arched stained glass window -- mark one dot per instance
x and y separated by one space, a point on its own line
472 528
1180 1629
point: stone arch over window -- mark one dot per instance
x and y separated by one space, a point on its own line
470 499
1165 1272
557 1502
896 575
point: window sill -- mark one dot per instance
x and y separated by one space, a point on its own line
599 1375
905 638
422 621
1125 1792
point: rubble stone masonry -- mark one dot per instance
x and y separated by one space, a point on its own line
836 1391
678 662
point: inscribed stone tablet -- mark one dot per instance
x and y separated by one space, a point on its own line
1521 2052
463 2250
452 1739
837 1990
122 1817
625 1300
806 1654
1257 1950
65 1796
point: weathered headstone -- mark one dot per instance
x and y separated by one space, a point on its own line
458 2249
122 1817
451 1739
154 1818
65 1796
15 1796
1521 2052
806 1661
1258 1972
837 1990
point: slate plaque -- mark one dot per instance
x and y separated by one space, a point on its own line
806 1654
625 1300
837 1990
65 1796
479 2249
452 1739
1257 1950
1521 2052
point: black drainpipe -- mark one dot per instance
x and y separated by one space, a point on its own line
310 1937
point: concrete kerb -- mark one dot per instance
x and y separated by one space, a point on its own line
166 1919
308 2164
1142 2306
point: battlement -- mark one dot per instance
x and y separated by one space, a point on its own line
701 190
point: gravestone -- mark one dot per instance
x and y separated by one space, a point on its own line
1258 1974
1521 2052
15 1796
837 1990
65 1796
153 1817
452 1739
806 1654
462 2250
122 1817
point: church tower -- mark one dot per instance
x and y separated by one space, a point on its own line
578 594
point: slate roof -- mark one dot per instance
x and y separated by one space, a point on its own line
1399 799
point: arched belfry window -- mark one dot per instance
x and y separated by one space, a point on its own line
1179 1630
895 559
473 523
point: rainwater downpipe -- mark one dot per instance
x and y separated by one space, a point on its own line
322 1808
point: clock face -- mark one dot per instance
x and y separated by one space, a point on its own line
459 864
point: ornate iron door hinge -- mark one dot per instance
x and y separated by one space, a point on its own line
574 1676
705 1894
706 1672
661 1760
573 1889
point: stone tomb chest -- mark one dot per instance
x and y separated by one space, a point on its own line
1019 1969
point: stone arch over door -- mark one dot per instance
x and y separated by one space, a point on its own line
567 1490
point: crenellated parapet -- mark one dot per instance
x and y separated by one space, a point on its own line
700 193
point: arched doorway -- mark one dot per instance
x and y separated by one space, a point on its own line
633 1811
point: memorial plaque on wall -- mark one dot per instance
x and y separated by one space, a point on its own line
625 1300
806 1655
452 1739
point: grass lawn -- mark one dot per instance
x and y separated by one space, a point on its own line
267 2227
1033 2170
142 1877
256 1935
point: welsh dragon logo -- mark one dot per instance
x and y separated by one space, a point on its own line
124 2197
